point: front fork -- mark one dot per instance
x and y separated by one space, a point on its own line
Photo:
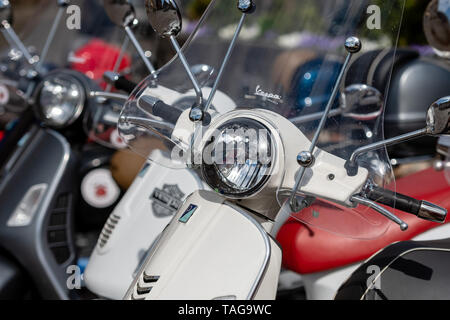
212 249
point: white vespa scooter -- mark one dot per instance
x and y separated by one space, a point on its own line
217 246
153 198
117 256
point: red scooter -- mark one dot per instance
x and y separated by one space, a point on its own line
326 259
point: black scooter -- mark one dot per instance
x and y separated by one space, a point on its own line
41 158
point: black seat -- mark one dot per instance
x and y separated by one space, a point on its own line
409 270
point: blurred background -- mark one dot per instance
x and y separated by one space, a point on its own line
32 14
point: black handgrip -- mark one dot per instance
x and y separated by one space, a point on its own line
119 82
421 208
160 109
168 113
395 200
124 84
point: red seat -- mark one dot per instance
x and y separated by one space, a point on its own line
308 249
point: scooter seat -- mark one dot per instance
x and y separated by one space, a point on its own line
308 249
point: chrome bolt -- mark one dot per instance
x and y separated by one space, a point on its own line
305 159
196 114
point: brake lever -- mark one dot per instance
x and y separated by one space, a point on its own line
375 206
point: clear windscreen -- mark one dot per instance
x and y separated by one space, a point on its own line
104 46
447 167
444 155
26 17
87 41
287 58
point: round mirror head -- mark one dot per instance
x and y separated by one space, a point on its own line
361 102
120 12
164 16
438 117
5 11
436 23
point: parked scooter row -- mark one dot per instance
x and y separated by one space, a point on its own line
118 227
56 183
251 135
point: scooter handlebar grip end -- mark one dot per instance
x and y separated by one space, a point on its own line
431 212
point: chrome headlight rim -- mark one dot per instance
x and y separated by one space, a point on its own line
211 175
79 107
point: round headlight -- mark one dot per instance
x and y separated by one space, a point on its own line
238 159
61 100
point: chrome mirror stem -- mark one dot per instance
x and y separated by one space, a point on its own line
197 89
8 39
140 51
438 122
116 68
11 34
306 158
351 166
62 5
225 62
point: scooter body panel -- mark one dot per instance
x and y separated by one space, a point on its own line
144 211
135 224
409 270
211 250
44 247
324 285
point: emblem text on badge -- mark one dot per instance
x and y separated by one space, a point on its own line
166 201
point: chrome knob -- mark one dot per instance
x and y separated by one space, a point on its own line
353 45
431 212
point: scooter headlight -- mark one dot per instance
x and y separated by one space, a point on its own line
238 159
60 100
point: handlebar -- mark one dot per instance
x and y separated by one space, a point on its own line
119 82
420 208
160 109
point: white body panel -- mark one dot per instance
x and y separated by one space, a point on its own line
217 253
111 269
135 223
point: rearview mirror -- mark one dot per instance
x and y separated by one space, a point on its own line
120 12
438 117
361 102
5 12
164 16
